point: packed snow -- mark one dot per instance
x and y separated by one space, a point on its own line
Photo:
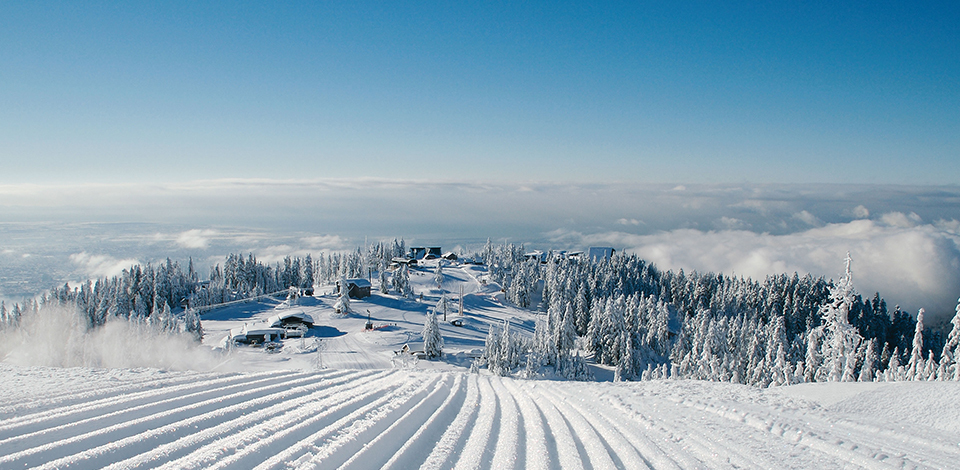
346 395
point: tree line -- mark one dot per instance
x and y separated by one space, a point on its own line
648 323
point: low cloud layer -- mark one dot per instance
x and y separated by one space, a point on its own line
903 238
908 262
195 238
100 265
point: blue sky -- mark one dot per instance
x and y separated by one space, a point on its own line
774 92
747 138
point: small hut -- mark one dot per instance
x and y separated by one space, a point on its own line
356 288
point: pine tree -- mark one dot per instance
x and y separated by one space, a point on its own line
432 340
491 350
382 277
192 324
438 274
442 305
894 370
343 302
916 365
626 367
868 370
951 350
813 359
307 277
840 338
566 333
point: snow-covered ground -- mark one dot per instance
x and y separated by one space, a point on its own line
341 398
393 418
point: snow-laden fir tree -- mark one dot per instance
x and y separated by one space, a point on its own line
432 341
566 332
916 365
438 274
382 278
894 371
192 324
401 281
520 288
307 278
342 305
951 350
544 343
840 339
626 367
442 305
491 352
869 368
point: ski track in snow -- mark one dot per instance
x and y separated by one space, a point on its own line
401 419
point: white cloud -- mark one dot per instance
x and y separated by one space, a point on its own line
276 253
861 212
899 219
100 265
196 238
915 265
731 223
625 221
325 242
808 218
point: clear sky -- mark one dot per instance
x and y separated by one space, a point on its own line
761 92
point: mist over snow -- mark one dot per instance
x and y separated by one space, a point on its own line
903 239
56 337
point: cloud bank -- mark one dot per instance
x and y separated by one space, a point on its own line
902 238
911 263
101 265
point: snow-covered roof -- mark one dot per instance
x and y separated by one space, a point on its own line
263 331
359 282
600 252
278 320
255 330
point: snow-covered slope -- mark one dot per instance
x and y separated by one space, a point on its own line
368 418
342 398
345 344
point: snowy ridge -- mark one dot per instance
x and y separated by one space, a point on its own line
432 419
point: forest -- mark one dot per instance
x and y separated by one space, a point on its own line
619 311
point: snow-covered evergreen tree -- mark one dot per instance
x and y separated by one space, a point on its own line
401 281
950 356
520 288
307 278
869 368
192 324
382 278
442 305
432 340
566 333
894 370
438 274
626 366
342 305
916 365
840 338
